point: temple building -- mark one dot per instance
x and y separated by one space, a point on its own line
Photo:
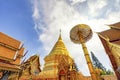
59 65
11 53
111 42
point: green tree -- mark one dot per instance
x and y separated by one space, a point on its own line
75 67
98 64
109 72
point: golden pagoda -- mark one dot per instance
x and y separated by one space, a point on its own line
11 53
59 65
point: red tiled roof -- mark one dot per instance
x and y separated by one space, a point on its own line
9 48
10 67
116 25
112 34
9 40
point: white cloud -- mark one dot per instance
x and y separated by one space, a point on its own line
73 2
96 6
52 15
36 13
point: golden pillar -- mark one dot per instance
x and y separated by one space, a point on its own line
89 63
87 57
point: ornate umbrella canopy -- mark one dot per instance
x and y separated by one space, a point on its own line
81 33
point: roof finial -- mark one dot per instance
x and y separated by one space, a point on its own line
60 31
60 35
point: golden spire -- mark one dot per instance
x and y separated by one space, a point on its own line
59 47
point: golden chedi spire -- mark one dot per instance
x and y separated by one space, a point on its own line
59 48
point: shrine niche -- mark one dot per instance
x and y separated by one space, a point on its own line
62 75
63 68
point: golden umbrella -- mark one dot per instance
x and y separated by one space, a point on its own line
80 34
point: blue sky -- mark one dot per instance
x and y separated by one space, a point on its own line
16 21
37 23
